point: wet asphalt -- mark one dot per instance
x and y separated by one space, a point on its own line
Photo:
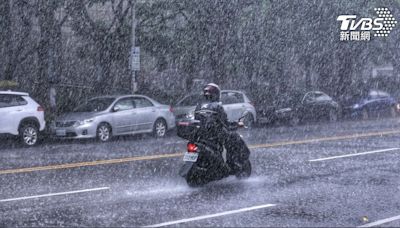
339 190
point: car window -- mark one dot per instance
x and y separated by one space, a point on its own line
229 100
141 102
8 100
239 97
309 97
383 94
191 100
323 97
232 98
124 104
95 105
316 96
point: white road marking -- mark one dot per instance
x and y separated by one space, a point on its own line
356 154
380 222
55 194
211 216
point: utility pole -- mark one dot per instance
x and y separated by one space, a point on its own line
133 52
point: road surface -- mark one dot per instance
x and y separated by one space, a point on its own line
323 174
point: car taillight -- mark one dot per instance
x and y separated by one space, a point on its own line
171 109
252 104
191 147
40 109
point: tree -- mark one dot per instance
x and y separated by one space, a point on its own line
107 40
16 21
49 48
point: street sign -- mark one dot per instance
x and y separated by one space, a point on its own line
135 58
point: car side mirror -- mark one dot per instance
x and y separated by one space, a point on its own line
304 100
116 109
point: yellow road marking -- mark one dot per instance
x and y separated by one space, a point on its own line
332 138
90 163
173 155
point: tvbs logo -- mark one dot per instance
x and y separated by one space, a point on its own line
361 29
366 24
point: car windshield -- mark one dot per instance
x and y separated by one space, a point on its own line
95 105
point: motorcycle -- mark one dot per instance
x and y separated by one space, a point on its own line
207 159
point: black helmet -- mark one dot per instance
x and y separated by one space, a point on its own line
211 92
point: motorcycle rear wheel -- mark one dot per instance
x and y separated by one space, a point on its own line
245 171
194 180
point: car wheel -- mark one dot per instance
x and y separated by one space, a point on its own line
160 128
333 115
294 120
248 120
29 134
104 133
393 112
364 114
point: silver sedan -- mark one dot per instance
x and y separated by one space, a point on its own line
103 117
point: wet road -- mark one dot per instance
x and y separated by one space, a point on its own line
343 174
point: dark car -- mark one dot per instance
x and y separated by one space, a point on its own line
373 103
299 107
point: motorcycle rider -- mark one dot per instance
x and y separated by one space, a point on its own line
218 128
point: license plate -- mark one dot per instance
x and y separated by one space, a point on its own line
61 132
190 157
183 123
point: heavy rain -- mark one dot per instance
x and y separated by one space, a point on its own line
199 113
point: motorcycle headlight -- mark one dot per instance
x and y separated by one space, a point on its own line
82 122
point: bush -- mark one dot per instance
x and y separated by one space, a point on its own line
8 85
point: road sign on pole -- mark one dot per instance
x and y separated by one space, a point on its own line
135 58
134 52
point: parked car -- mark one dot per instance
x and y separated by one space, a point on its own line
373 103
297 106
106 116
236 105
21 116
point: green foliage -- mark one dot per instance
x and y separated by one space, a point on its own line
6 84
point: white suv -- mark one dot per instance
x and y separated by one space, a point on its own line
21 116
